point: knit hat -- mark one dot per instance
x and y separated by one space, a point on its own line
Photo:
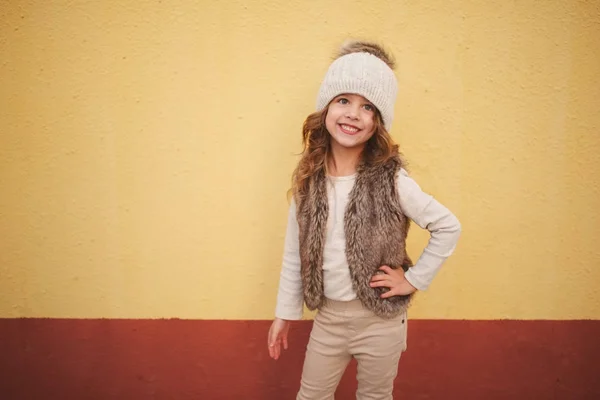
363 74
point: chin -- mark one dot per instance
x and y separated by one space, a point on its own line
351 144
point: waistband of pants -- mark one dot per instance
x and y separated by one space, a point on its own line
338 305
354 307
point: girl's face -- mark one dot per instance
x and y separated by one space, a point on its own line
350 120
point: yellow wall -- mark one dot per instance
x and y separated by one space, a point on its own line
146 148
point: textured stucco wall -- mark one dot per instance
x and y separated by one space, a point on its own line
146 147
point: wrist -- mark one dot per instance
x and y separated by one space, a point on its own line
408 286
413 281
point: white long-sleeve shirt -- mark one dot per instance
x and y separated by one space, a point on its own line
417 205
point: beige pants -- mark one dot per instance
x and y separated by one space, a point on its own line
345 329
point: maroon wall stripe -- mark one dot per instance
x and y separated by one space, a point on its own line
198 359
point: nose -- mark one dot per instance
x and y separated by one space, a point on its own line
352 112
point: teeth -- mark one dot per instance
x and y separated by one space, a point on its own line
349 128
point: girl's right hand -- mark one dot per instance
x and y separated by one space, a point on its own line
277 335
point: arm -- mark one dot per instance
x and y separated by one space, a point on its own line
289 297
443 226
444 229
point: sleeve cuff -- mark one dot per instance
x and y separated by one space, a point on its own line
413 280
291 315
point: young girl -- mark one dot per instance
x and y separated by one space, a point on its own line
345 249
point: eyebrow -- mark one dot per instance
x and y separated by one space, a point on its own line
347 95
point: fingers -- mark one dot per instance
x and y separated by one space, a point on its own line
385 268
393 273
387 294
386 283
380 277
271 350
272 344
274 349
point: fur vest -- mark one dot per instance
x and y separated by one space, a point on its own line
375 229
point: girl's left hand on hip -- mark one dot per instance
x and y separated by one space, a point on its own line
394 280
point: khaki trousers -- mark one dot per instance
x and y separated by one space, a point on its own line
345 329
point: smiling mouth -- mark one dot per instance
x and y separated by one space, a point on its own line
349 129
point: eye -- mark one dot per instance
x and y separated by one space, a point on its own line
369 107
343 100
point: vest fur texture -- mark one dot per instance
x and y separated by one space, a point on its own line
375 230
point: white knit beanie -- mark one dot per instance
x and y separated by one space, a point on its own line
363 74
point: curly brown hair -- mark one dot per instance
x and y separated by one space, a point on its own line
316 140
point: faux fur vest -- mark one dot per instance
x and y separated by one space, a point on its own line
375 229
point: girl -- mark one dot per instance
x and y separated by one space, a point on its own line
345 249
